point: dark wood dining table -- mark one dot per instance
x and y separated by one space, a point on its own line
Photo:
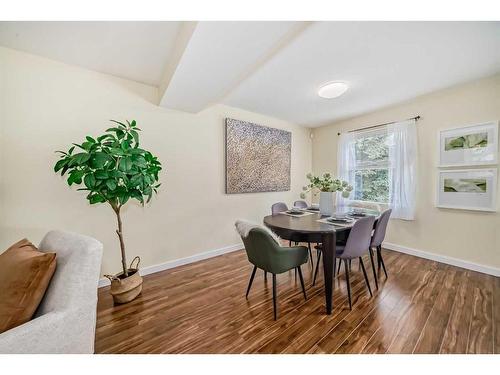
307 228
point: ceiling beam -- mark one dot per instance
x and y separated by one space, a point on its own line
212 58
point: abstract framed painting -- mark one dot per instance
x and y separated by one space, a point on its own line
467 189
469 146
258 158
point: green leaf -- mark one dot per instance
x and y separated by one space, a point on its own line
79 159
123 198
96 198
90 139
90 181
60 164
140 161
101 174
125 145
125 164
119 123
119 133
75 177
111 184
99 159
136 137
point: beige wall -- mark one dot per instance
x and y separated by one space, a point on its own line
46 105
465 235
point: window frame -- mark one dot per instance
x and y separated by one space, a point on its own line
384 164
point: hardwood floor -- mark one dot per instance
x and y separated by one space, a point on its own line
423 307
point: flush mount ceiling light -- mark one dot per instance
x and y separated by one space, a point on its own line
332 90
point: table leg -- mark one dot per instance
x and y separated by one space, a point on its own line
329 254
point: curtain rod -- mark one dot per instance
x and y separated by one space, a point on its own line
416 118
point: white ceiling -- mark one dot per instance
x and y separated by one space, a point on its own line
134 50
274 68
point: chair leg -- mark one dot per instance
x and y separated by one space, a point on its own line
251 281
265 275
366 277
317 267
290 243
373 268
310 255
346 268
338 270
382 260
274 295
302 282
350 264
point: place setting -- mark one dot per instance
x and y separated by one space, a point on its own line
297 212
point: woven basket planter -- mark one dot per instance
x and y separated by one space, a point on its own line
126 289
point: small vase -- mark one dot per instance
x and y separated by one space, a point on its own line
326 203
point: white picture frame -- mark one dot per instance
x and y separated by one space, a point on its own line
455 149
462 189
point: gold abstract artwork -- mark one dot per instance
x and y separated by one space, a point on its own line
257 158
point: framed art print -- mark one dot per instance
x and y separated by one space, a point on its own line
471 145
467 189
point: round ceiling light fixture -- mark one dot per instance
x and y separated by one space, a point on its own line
333 90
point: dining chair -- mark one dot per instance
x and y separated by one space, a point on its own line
358 243
303 204
264 252
376 242
276 208
300 204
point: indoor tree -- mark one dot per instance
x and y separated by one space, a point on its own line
113 169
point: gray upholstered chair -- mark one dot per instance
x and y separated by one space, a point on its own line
264 252
376 242
358 243
276 208
300 204
303 204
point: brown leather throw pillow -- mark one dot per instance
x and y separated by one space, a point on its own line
25 275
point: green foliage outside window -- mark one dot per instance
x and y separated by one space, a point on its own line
371 177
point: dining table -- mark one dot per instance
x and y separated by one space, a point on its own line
307 227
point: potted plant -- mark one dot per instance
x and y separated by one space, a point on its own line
113 169
327 186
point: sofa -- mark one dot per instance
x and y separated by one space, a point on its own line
65 320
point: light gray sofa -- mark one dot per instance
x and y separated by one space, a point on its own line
66 318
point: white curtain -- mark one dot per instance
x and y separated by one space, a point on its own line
346 160
403 169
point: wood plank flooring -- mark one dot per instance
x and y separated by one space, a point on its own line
423 307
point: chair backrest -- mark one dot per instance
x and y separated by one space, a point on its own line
260 247
359 238
278 207
380 228
300 204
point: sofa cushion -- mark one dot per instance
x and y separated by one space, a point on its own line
25 275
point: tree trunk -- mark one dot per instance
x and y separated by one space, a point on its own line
122 244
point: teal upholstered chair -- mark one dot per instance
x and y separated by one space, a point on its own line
264 252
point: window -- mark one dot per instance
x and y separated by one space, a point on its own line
371 167
381 164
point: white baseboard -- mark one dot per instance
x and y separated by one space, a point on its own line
444 259
402 249
180 262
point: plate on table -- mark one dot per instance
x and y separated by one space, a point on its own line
357 214
340 220
295 212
